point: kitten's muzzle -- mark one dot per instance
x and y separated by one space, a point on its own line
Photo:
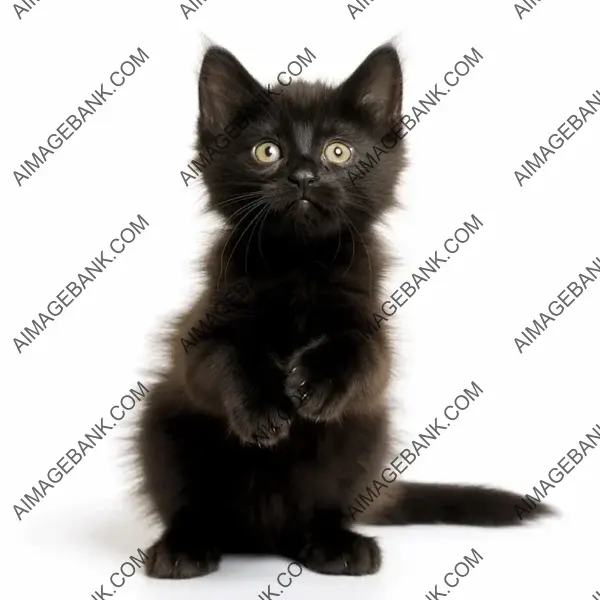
303 178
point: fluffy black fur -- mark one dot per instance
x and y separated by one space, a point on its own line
273 415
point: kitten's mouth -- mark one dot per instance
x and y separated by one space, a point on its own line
306 206
304 209
305 203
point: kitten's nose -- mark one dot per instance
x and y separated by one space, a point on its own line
303 177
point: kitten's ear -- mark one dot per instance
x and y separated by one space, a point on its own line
224 87
376 85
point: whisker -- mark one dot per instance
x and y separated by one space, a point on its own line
248 212
256 221
236 244
260 233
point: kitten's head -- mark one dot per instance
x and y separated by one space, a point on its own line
300 158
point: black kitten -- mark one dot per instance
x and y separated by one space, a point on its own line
274 416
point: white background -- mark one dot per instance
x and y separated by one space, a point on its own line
460 326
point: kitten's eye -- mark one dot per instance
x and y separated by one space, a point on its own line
267 152
338 153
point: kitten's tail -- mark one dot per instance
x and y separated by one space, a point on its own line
454 504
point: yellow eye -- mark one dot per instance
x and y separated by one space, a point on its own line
267 152
338 153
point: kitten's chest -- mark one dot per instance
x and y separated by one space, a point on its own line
299 312
303 306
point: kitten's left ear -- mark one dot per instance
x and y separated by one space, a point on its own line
376 85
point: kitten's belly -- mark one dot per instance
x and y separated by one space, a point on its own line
317 469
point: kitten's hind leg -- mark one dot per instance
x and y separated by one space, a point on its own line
328 547
172 446
341 552
184 550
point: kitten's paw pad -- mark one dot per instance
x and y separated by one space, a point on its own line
307 384
342 553
165 562
297 385
262 429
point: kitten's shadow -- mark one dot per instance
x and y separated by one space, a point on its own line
115 535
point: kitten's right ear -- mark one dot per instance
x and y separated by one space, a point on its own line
224 87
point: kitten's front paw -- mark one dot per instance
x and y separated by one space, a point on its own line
265 428
309 385
301 389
